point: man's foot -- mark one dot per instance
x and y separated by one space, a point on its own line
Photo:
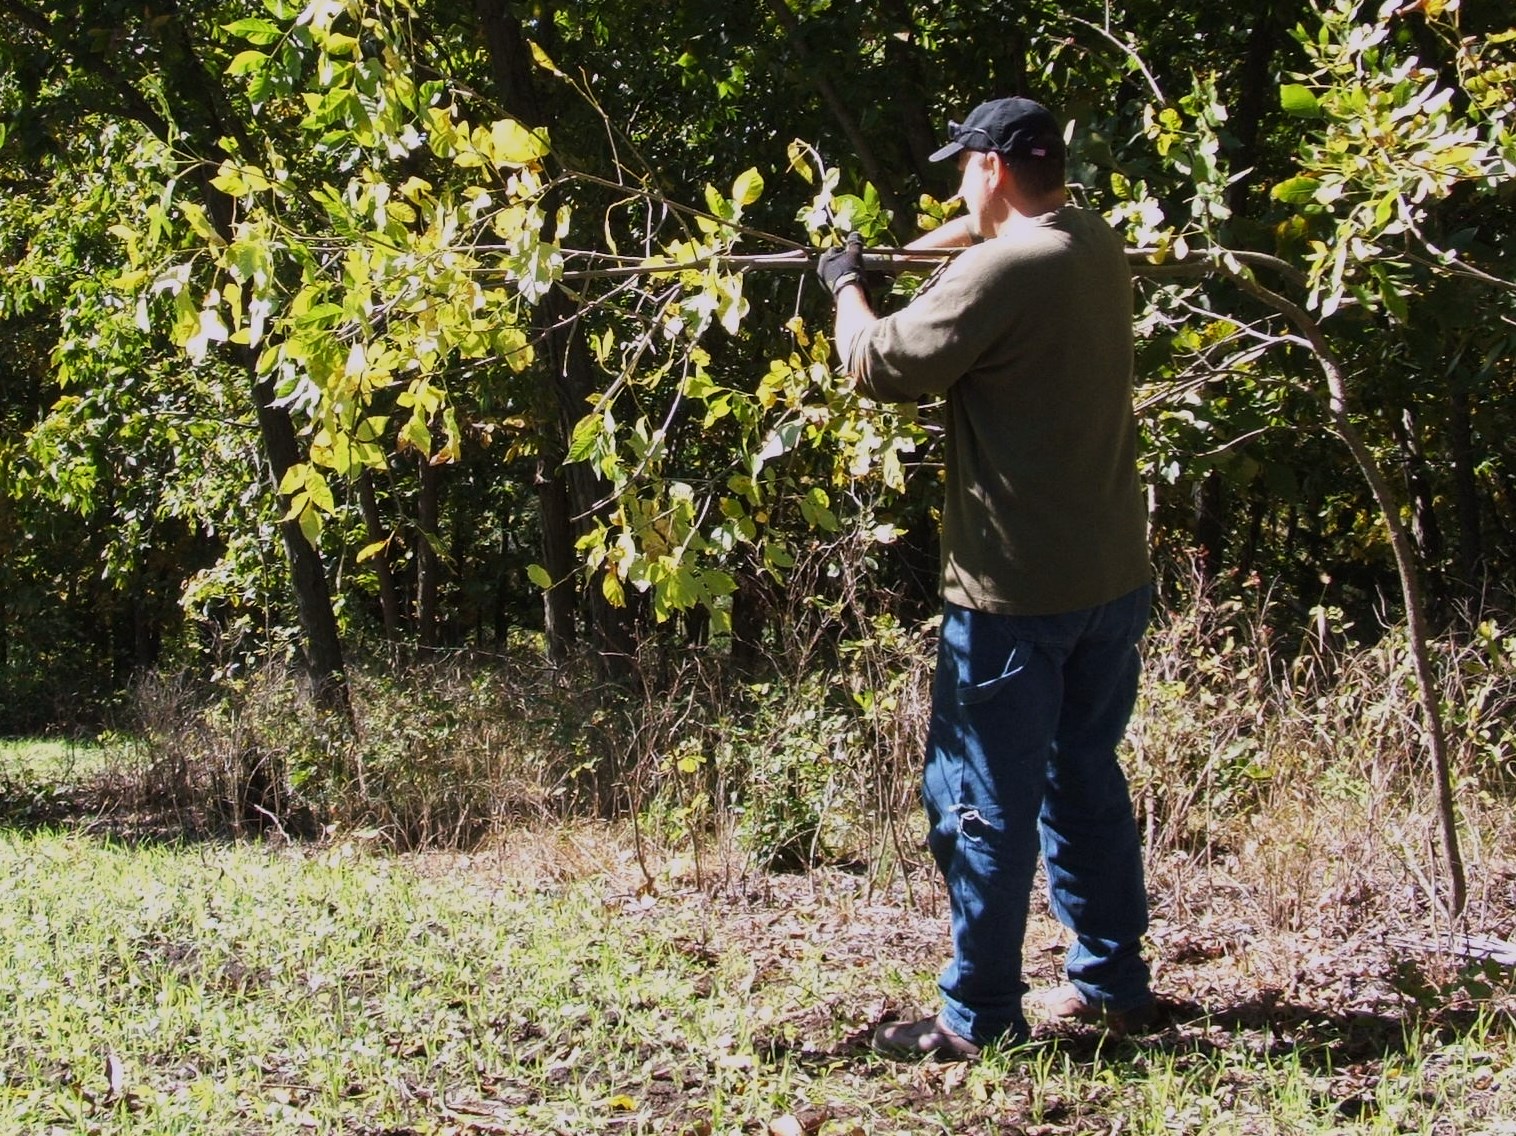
926 1038
1066 1003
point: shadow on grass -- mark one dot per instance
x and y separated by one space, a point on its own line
1319 1041
103 809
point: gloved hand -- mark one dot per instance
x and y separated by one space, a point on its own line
840 267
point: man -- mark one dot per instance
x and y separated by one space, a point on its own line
1045 577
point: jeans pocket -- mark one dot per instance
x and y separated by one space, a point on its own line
976 691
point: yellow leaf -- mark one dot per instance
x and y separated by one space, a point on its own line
369 551
542 60
514 144
621 1103
748 187
293 478
610 586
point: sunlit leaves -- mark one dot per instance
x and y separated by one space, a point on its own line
1297 190
508 143
1391 141
408 294
254 30
1299 101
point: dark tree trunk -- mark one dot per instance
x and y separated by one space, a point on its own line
558 558
389 597
1466 493
750 617
1425 531
1210 526
1255 89
820 76
428 563
572 380
313 597
1258 512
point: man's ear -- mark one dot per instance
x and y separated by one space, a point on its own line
1000 170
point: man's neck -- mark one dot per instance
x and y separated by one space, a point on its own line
1023 208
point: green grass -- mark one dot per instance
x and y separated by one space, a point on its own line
223 988
43 762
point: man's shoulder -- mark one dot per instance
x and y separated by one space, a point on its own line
1071 235
1024 248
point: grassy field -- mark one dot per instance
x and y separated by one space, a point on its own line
546 985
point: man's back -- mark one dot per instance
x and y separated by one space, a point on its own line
1030 337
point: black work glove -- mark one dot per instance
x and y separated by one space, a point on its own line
840 267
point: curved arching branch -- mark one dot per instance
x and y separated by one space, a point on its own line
1339 404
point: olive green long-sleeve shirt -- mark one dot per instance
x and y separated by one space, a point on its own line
1029 336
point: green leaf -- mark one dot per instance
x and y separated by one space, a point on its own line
319 491
1299 101
246 62
610 587
415 434
310 525
542 59
678 591
586 434
798 152
1297 190
254 30
293 479
718 205
538 575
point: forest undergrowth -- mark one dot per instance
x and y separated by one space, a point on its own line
520 903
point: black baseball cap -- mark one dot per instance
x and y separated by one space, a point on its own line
1015 128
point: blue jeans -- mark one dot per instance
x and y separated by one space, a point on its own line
1027 712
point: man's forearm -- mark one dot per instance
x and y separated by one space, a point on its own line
950 234
854 317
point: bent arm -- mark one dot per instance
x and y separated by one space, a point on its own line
950 234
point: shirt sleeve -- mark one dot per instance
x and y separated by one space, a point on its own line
939 336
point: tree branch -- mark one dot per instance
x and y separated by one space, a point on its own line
1405 563
839 108
93 62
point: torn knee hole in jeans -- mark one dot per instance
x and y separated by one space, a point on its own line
971 822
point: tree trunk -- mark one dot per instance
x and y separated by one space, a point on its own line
558 558
572 378
198 87
1210 526
1255 89
389 597
313 597
1425 532
428 563
1435 731
1466 493
840 110
1258 511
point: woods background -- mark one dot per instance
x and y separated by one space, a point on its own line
408 347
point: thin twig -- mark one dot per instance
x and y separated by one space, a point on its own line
1141 66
